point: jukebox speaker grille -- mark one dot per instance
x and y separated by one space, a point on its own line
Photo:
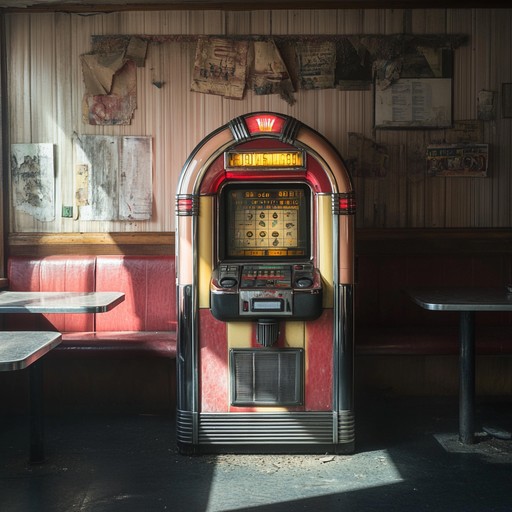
266 377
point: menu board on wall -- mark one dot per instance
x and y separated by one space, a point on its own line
414 103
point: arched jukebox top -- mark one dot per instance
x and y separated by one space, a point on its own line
266 164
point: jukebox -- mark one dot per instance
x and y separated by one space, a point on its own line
265 281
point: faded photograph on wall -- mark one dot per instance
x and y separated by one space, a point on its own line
33 180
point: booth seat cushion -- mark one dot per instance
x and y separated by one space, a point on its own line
120 343
144 323
149 284
429 340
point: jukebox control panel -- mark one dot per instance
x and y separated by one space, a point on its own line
266 290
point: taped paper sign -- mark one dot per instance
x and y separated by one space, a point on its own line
220 67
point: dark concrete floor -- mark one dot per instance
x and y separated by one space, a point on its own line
408 458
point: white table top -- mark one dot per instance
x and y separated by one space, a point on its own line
59 302
19 349
462 299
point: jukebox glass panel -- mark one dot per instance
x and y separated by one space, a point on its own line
265 222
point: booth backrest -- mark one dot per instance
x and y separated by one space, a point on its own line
148 282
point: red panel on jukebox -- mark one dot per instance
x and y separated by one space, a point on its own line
264 123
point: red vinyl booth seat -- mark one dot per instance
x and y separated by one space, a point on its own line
145 323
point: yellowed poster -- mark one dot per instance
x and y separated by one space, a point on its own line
316 63
220 67
269 74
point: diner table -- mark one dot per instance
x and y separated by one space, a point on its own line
58 302
21 349
466 301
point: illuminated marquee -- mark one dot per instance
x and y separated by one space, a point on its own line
265 159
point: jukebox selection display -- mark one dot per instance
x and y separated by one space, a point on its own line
265 291
266 222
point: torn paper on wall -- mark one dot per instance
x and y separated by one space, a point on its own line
116 107
470 130
386 72
316 64
220 67
366 157
33 180
98 71
353 65
269 74
81 185
115 181
135 180
136 51
486 105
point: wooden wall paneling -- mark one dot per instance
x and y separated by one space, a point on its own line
164 86
464 193
414 145
273 102
402 185
435 202
327 99
395 21
500 65
133 22
373 21
18 71
394 197
351 21
261 22
178 119
464 95
279 22
238 22
204 23
64 121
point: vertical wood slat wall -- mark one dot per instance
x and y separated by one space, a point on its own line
45 93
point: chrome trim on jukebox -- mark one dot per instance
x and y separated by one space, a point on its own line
187 205
239 129
344 203
185 426
346 427
290 130
185 350
345 355
266 428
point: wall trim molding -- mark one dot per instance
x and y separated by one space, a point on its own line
374 241
45 244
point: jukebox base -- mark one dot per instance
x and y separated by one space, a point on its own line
280 432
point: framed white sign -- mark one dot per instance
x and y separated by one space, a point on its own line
414 103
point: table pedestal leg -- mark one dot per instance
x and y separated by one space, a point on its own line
36 413
467 377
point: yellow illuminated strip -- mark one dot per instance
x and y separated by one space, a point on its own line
325 245
260 159
205 244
